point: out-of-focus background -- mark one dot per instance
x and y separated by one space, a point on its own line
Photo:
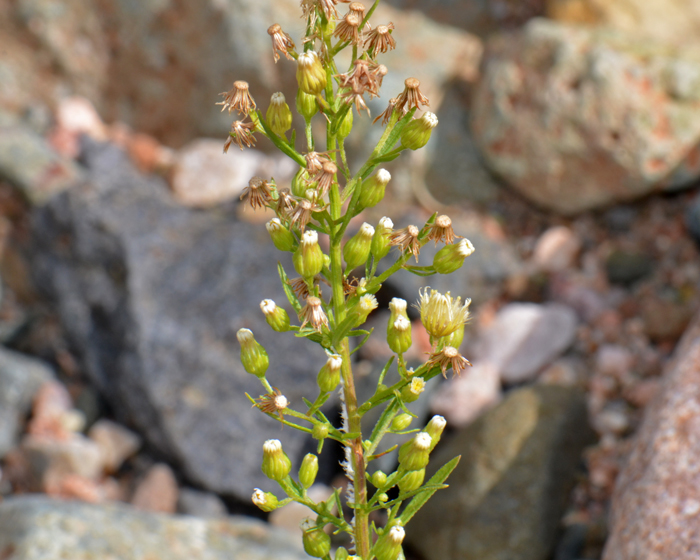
568 152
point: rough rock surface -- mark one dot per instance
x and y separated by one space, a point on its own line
511 486
575 118
20 379
37 528
656 506
151 295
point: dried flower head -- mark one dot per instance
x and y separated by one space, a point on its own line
273 403
315 161
324 178
358 9
362 77
313 313
441 314
300 287
380 40
407 240
441 230
285 202
241 133
238 98
411 97
281 42
449 357
301 215
349 29
257 192
386 114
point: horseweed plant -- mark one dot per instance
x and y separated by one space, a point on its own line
325 195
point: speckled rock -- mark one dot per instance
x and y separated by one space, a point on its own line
511 486
578 118
656 505
38 528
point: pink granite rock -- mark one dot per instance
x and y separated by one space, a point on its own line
656 505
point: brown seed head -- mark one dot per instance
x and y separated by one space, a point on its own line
313 313
411 97
281 42
257 192
380 40
238 98
241 133
449 357
349 29
407 240
441 230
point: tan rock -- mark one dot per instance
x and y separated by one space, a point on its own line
115 442
656 505
556 249
157 491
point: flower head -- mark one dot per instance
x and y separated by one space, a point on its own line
303 209
411 97
313 313
349 29
257 192
380 40
278 114
266 501
241 133
407 240
285 202
281 42
324 177
311 75
238 98
388 112
441 314
441 230
273 403
449 357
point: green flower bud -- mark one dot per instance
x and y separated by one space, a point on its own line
320 431
401 422
415 453
346 126
356 250
398 330
379 479
275 316
300 183
306 105
364 306
266 501
388 546
372 190
316 542
341 553
279 117
412 391
275 464
308 470
253 356
434 429
281 236
451 257
308 258
311 75
411 480
329 376
416 134
380 240
383 498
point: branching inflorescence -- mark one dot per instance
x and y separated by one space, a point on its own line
324 196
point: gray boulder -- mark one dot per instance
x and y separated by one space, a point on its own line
151 295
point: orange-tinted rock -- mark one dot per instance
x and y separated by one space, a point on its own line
157 491
656 505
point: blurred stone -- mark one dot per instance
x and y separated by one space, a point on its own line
32 166
77 115
157 491
200 504
566 371
665 319
20 379
52 405
148 154
525 337
614 360
640 394
37 527
577 118
115 442
152 295
626 268
290 516
463 399
511 487
613 419
656 504
556 249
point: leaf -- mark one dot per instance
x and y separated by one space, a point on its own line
291 296
420 499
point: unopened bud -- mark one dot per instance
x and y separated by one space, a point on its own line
373 188
281 236
311 75
356 250
308 470
329 376
253 356
401 422
379 479
308 258
346 125
279 117
316 542
416 134
266 501
275 316
300 183
398 330
383 498
306 105
388 546
320 431
434 429
415 453
411 480
451 257
341 553
412 391
364 306
380 239
275 464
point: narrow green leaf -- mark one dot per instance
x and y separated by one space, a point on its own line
419 500
291 296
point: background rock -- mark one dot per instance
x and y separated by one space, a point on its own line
510 488
36 528
151 296
575 119
656 505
